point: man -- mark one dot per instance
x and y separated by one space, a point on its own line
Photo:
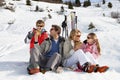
48 55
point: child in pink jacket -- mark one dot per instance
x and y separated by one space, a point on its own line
91 45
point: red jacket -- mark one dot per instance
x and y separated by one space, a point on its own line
41 38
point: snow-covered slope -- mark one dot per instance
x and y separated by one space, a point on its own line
14 54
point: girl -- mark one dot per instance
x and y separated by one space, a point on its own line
91 45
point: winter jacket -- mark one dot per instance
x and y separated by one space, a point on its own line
45 47
30 37
92 48
67 47
54 48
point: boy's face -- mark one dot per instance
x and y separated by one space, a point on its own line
39 26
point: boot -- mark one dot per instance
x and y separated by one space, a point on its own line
91 68
88 67
79 66
102 69
33 68
33 71
59 70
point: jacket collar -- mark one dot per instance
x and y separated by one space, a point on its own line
60 38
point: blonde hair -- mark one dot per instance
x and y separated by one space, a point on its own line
73 32
94 37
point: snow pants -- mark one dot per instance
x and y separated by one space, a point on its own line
79 56
43 61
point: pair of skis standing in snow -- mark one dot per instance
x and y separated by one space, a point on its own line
72 18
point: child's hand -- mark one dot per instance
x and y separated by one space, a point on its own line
37 33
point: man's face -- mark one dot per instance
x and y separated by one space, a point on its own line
53 32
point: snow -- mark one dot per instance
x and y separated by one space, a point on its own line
14 53
84 0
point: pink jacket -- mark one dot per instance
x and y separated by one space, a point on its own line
92 48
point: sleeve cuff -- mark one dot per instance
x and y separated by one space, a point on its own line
35 42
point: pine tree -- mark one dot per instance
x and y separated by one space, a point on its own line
103 2
104 14
60 1
28 2
70 6
87 3
91 26
36 0
77 2
37 8
97 5
110 5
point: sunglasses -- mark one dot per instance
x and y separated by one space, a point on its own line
52 29
40 26
89 38
77 35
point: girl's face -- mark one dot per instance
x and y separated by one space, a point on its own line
90 40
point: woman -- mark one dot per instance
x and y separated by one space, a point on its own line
69 43
69 59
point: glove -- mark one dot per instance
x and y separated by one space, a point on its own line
30 34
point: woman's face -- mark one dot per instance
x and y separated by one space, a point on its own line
77 36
